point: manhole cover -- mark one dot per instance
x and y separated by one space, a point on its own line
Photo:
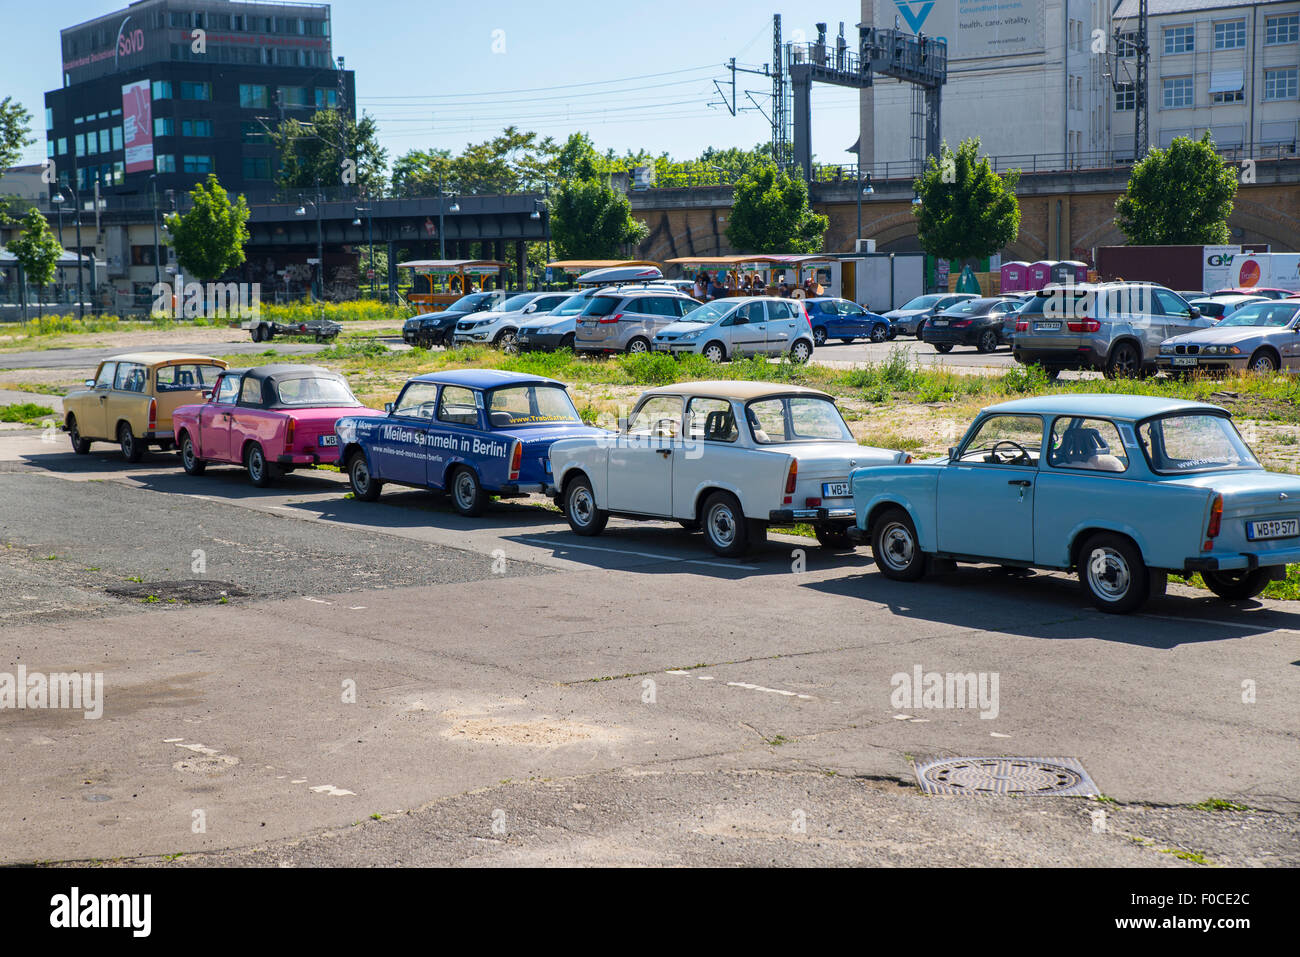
197 590
1054 776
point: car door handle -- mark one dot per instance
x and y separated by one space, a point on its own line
664 452
1023 483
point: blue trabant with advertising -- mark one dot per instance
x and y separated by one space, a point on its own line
473 433
1122 489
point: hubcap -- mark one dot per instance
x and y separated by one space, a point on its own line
819 337
360 475
801 351
508 343
581 506
187 453
255 463
1108 574
1263 364
713 354
722 525
636 346
465 490
1125 361
877 335
897 546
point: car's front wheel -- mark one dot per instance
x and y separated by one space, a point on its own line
467 492
1237 585
508 342
580 508
1113 573
190 460
715 353
132 448
1263 362
79 445
880 334
895 547
365 486
725 525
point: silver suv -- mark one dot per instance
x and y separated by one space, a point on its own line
1116 327
741 326
626 319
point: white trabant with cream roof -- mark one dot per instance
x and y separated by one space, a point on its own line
728 458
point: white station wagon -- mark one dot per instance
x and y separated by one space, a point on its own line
730 458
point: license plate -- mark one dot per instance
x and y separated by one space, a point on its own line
1184 360
1047 327
1276 528
329 440
938 322
835 490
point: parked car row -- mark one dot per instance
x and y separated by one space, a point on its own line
1122 490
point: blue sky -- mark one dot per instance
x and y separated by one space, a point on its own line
429 74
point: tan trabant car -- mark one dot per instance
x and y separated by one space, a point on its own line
131 399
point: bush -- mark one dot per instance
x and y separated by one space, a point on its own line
1025 379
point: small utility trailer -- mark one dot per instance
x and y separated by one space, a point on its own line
322 330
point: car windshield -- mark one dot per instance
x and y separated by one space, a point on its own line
796 418
711 312
313 391
516 407
1202 442
1261 314
571 306
515 303
921 302
469 303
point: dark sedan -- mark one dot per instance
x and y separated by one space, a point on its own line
846 321
976 322
437 328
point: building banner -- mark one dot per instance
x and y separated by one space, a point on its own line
137 122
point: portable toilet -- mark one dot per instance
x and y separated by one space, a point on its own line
1040 273
1015 276
1070 271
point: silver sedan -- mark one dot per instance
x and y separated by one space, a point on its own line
1261 337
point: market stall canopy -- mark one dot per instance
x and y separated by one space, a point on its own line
454 265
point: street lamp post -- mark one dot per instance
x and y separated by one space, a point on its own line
57 200
370 226
157 248
81 289
319 285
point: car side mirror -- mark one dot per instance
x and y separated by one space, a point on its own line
388 407
622 423
952 451
207 396
90 383
1195 311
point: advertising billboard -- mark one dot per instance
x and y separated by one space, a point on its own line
971 28
137 123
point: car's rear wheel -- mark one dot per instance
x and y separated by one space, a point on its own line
895 547
132 448
1237 585
1263 361
1125 362
567 342
725 525
714 352
988 341
364 485
638 346
801 351
79 445
257 332
467 492
879 334
920 329
580 508
819 336
1113 573
190 461
944 347
833 537
260 472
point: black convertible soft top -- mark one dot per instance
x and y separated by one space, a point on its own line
275 375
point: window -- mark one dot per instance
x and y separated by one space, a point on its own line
1180 39
458 406
196 127
313 391
522 406
49 118
105 141
1126 45
191 90
796 419
119 174
188 377
659 415
1230 35
164 163
141 255
162 89
164 126
417 401
1283 29
711 420
1194 443
251 393
1005 440
782 310
327 99
130 377
63 145
117 137
228 389
751 313
1280 84
1228 96
1176 91
252 133
256 167
196 164
656 306
253 97
105 378
1092 444
1126 97
294 97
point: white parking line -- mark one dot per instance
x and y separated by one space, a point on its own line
623 551
1264 629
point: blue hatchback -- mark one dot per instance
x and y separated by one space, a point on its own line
846 321
473 433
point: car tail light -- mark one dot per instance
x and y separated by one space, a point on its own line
790 479
153 414
516 460
1022 325
909 460
1216 523
614 318
288 433
812 502
1084 325
961 323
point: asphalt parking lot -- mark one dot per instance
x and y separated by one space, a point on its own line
347 682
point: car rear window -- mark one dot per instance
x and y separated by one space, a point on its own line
314 391
188 377
601 306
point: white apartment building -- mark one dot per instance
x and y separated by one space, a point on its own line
1228 66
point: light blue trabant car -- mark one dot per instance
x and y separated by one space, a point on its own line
1124 489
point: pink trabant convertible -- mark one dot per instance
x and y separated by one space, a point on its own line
271 420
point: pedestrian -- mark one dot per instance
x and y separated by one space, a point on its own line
701 285
717 290
783 288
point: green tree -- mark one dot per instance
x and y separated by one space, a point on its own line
421 172
967 210
1178 196
770 214
210 237
591 221
37 251
331 149
15 127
